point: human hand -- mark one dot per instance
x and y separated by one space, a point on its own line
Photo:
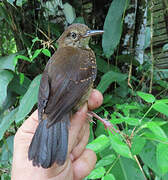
80 161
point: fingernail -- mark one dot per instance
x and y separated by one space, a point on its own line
94 90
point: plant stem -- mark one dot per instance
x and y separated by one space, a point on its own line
151 49
112 164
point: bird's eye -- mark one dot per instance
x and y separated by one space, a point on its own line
73 35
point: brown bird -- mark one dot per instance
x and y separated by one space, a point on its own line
65 86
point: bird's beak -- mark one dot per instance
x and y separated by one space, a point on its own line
92 33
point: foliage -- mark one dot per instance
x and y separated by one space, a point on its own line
139 150
113 26
144 130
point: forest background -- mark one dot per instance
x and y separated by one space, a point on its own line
132 61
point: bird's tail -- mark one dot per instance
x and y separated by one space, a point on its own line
49 145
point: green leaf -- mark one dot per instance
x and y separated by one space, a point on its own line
147 171
157 130
10 100
7 121
123 90
146 97
162 101
127 58
137 145
18 88
148 156
161 107
7 62
79 20
107 151
23 58
20 2
108 177
165 47
11 2
132 121
103 66
162 157
109 159
21 75
153 137
113 26
117 120
100 129
126 169
36 53
5 176
107 98
5 77
147 37
28 100
69 12
46 52
162 83
35 40
99 143
7 151
97 173
119 146
108 78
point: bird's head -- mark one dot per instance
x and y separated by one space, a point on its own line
77 35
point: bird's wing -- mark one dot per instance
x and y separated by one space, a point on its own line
69 75
43 94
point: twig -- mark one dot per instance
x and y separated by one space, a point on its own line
129 75
151 49
136 159
113 164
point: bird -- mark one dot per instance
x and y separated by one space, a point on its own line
65 86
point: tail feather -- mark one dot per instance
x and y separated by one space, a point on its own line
62 146
49 145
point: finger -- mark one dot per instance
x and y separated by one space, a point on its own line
78 120
80 134
95 100
31 123
28 128
82 142
84 165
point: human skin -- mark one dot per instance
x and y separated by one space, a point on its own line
80 161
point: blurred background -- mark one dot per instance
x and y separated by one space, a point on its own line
132 61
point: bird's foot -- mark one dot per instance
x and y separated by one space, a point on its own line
105 122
